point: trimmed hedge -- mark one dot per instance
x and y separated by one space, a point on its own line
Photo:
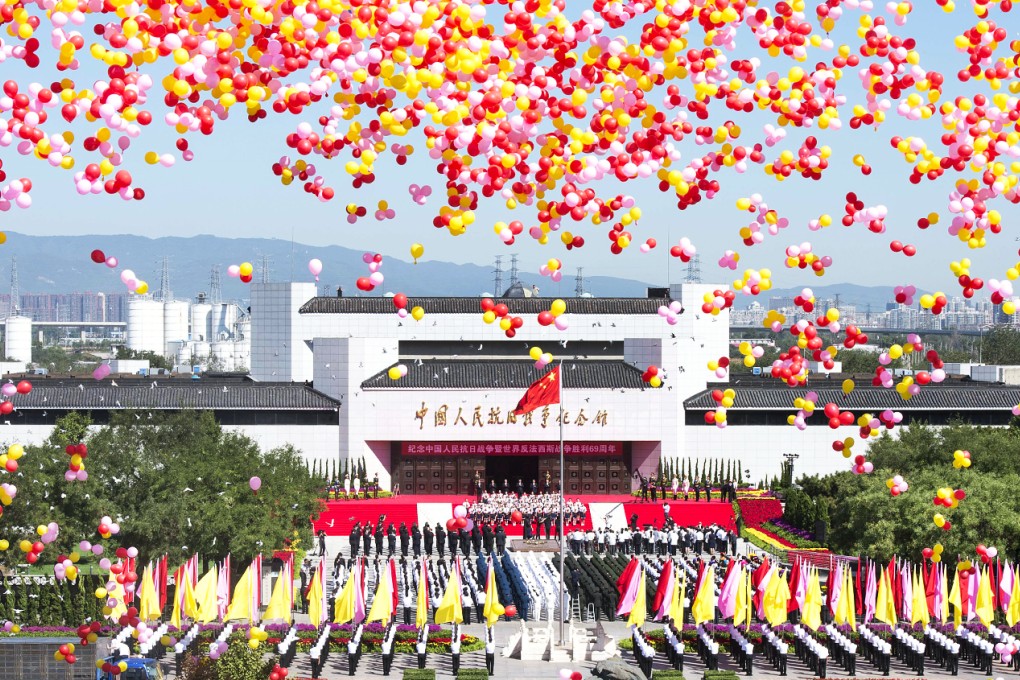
667 675
720 675
419 674
472 674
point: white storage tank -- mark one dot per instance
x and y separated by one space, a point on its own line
18 338
145 325
223 354
176 320
242 354
180 352
224 317
201 321
201 350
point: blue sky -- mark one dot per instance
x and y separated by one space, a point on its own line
230 190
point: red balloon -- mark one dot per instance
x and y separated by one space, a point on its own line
451 524
516 516
98 256
24 387
365 284
501 310
545 318
400 301
510 610
6 408
461 522
487 304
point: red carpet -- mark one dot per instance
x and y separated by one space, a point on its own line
340 516
684 513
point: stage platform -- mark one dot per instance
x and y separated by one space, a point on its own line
340 516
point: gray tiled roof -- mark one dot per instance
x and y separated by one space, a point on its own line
469 305
943 397
471 375
87 394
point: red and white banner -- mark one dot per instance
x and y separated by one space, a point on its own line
511 449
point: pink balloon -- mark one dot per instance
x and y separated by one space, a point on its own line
101 371
234 271
112 262
255 483
315 267
459 511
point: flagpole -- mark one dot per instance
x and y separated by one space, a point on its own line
562 527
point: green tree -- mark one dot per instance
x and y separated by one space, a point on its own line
155 360
1001 345
176 483
799 510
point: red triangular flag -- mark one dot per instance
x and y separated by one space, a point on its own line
624 580
792 604
665 581
543 392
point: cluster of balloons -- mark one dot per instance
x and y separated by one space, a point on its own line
10 627
904 295
720 367
861 466
375 276
65 653
278 673
805 300
751 353
933 553
897 485
355 211
567 674
802 257
217 649
460 520
397 372
774 321
508 323
805 408
47 533
653 376
765 220
7 494
315 267
715 302
541 359
729 260
754 281
9 459
86 546
107 527
256 636
65 567
790 367
648 246
1006 650
855 212
244 271
99 257
420 194
112 668
684 250
862 163
854 336
934 303
949 497
15 193
671 312
133 283
844 446
724 399
384 212
553 269
554 316
837 418
76 464
961 459
905 248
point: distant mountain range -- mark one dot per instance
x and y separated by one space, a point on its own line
61 264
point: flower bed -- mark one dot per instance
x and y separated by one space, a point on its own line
769 539
372 636
757 511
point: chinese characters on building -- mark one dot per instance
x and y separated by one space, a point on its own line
444 416
512 449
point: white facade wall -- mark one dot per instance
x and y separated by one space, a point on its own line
340 351
18 338
176 322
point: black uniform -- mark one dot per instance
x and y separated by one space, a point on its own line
416 540
440 540
452 539
487 538
528 531
366 540
391 538
404 538
378 538
355 540
500 539
465 542
476 539
428 536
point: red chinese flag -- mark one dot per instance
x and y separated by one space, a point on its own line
543 392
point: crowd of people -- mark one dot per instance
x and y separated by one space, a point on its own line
539 511
653 489
352 487
653 539
388 540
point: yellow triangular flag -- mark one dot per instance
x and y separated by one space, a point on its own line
984 607
637 612
205 597
421 614
190 604
703 607
851 601
148 603
943 614
676 603
343 608
382 603
450 610
240 604
742 610
777 595
1013 612
281 601
885 603
954 598
811 612
492 609
315 614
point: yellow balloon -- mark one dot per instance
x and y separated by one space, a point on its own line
15 451
558 307
848 386
4 544
417 313
656 381
3 237
246 269
394 373
417 250
253 644
489 316
142 288
535 353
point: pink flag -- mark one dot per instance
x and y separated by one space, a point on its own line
359 592
972 590
727 602
1006 585
936 606
802 583
223 589
908 591
837 587
870 593
664 593
630 594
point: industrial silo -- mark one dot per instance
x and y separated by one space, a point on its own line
176 321
145 325
18 338
201 321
